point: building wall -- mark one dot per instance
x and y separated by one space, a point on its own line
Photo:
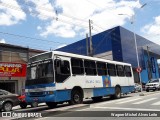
101 43
14 54
120 43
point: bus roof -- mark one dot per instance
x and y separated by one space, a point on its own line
82 56
87 57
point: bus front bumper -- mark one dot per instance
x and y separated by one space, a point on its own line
40 99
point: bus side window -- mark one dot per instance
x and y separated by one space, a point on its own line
90 67
128 72
62 67
120 70
101 68
111 69
77 66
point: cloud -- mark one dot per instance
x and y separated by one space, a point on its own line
2 41
68 18
152 30
10 16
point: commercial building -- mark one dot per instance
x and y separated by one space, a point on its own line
13 63
119 44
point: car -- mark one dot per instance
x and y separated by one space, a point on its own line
137 87
8 100
23 104
153 84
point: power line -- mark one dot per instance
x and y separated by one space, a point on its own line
21 36
46 16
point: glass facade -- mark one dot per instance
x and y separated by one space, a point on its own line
121 43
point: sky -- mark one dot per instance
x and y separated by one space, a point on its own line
51 24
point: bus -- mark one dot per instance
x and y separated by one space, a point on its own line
55 77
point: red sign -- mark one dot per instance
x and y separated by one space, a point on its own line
12 69
139 69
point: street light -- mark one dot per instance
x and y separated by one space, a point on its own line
135 40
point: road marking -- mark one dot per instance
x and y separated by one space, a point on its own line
128 100
143 101
157 103
112 101
120 108
66 107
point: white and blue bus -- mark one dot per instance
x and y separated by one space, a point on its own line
57 77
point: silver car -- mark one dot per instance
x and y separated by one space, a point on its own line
153 84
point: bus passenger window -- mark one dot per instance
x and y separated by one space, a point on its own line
101 68
90 67
77 66
120 70
65 68
128 72
111 69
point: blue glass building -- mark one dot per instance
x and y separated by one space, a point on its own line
118 44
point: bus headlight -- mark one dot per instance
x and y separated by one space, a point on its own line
49 92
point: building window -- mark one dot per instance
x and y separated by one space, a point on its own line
120 70
18 57
77 66
101 68
111 69
90 67
127 71
5 56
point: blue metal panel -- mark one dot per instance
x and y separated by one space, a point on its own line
62 95
102 42
111 90
116 45
103 91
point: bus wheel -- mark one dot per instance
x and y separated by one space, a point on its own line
51 104
117 94
97 99
76 97
23 105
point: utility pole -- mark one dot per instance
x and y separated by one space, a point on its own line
90 40
149 65
87 44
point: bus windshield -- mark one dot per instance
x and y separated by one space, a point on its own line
40 72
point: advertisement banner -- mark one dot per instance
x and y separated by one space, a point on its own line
8 69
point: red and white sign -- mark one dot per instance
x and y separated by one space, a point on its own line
139 69
8 69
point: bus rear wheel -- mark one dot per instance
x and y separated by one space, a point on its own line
117 94
76 97
51 104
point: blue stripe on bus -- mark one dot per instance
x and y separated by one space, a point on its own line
57 96
111 90
40 86
62 95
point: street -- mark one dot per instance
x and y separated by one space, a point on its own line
128 103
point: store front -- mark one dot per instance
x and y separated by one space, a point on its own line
13 63
11 86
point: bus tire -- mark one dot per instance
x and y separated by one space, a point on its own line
117 94
97 99
23 105
76 97
51 104
34 104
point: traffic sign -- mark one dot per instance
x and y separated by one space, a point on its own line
139 69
